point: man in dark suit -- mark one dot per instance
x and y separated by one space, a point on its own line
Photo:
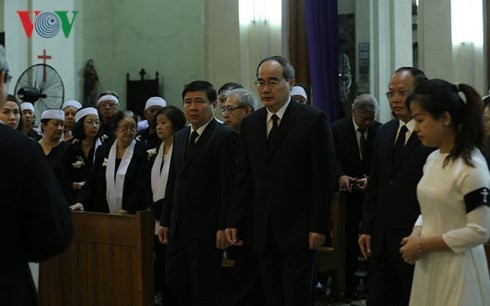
285 170
391 206
35 222
199 191
354 141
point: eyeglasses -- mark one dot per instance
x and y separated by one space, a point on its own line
399 94
92 123
229 109
270 84
126 130
108 105
7 77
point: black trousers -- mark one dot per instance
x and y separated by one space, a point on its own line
389 278
160 250
286 276
193 271
242 285
353 215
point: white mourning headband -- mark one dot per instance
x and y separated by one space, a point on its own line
84 112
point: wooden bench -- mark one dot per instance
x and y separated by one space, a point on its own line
332 259
109 262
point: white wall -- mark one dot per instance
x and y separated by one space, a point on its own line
222 42
443 58
121 36
22 52
124 36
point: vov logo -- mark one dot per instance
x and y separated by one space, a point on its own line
47 24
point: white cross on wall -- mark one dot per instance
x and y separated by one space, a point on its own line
484 193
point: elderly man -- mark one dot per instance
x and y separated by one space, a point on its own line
239 104
391 206
107 105
285 177
35 223
354 141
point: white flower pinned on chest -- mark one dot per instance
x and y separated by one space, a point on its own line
151 153
79 163
104 137
105 162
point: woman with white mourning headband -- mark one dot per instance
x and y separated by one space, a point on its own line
117 183
70 108
51 143
27 121
80 155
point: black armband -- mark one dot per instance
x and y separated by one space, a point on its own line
476 199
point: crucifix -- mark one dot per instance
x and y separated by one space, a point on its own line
484 193
44 57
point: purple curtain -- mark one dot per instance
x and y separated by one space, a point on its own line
323 54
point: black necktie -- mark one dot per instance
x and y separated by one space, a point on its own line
192 143
273 131
362 142
399 144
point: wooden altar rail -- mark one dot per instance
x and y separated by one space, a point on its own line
109 262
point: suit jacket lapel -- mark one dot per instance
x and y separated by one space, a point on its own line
261 129
287 122
203 138
410 144
352 139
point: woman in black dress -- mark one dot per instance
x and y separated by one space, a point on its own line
52 144
80 155
117 182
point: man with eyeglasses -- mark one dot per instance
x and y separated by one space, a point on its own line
354 141
239 104
391 207
35 223
107 105
285 177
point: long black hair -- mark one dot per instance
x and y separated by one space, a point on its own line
437 96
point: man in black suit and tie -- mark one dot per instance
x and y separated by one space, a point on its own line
354 141
199 190
285 170
391 206
35 223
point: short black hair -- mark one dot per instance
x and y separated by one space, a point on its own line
418 75
287 68
204 86
174 114
229 86
12 98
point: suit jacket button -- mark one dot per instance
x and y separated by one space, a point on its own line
390 182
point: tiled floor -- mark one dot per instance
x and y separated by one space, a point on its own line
323 296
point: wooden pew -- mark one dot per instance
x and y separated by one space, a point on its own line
332 259
109 262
